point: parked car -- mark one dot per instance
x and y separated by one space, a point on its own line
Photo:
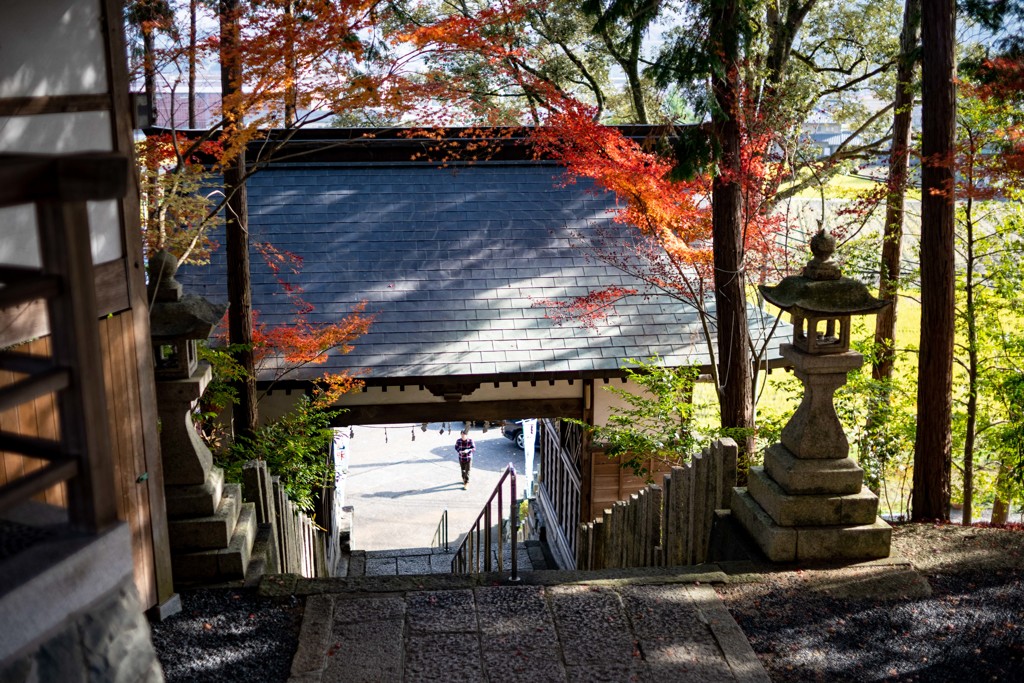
513 430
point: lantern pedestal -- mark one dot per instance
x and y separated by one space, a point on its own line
808 502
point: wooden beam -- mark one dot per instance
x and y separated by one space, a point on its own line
30 388
29 178
23 488
53 104
29 321
468 411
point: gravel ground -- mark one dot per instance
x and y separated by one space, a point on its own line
228 636
805 625
971 627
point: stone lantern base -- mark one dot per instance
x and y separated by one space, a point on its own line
808 502
810 542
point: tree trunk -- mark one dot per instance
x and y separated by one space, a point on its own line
192 9
236 242
932 450
899 155
149 71
1000 506
290 68
972 354
735 375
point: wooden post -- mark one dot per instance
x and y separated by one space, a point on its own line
680 518
730 458
656 504
597 554
701 501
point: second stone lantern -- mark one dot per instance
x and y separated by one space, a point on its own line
808 502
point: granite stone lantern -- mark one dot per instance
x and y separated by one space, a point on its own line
176 323
210 529
808 501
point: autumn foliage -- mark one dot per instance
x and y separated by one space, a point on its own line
673 216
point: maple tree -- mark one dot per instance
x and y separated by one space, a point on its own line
284 64
176 202
674 217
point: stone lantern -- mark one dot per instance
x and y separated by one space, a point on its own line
176 322
808 501
210 530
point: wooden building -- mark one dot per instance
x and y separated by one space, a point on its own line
81 491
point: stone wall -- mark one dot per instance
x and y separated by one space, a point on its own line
108 642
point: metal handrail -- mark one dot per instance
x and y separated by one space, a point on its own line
441 533
467 557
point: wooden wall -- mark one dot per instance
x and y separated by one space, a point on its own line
611 483
137 467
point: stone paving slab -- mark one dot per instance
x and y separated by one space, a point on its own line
489 631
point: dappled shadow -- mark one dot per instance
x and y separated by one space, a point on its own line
866 623
414 492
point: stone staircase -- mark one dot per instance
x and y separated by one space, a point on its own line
424 561
657 625
212 532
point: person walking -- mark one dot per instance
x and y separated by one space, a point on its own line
465 447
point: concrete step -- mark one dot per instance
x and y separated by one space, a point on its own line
225 564
263 559
211 532
424 561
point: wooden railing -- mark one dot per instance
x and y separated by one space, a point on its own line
59 187
486 538
558 494
668 525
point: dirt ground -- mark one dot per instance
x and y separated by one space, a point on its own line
956 612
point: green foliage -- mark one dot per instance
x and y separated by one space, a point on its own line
880 419
1009 435
220 393
657 423
296 447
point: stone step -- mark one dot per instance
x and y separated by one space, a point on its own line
810 543
263 559
211 532
226 564
807 509
184 502
425 561
276 585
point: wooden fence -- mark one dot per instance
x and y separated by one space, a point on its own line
663 526
296 545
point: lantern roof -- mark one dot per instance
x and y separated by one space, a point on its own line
821 290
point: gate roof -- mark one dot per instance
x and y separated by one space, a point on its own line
454 262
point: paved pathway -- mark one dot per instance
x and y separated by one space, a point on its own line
647 625
398 614
398 488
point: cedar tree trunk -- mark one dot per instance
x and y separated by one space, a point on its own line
932 451
236 243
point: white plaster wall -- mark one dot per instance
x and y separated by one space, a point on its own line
605 401
54 48
51 47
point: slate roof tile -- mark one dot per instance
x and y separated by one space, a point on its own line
451 264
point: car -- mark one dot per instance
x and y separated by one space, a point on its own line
513 430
